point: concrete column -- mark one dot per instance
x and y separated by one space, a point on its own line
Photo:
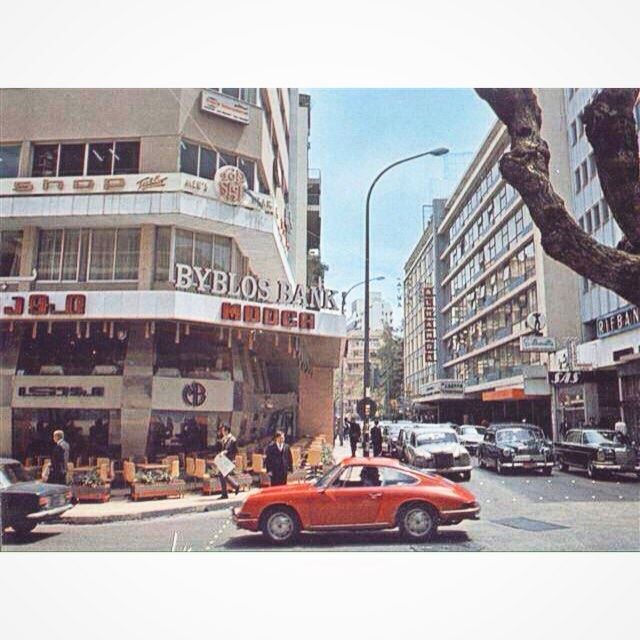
137 381
146 261
315 402
8 363
28 255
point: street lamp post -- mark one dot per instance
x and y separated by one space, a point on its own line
440 151
344 305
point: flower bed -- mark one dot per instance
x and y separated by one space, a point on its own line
90 487
156 484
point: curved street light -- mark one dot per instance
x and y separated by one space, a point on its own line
350 289
439 151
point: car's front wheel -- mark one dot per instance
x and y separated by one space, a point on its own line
280 525
418 522
24 527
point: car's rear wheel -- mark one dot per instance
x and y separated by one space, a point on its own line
24 527
280 525
418 522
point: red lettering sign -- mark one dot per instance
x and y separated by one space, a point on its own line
231 311
289 319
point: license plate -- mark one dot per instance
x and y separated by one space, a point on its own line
529 465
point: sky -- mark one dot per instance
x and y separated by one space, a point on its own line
355 133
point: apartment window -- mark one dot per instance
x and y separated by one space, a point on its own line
78 159
574 133
581 222
581 125
593 170
9 160
196 249
248 95
163 253
585 285
114 254
585 173
604 207
10 251
578 181
59 254
204 162
588 222
596 216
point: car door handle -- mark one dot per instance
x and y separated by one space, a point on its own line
375 495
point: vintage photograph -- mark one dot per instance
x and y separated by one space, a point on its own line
239 319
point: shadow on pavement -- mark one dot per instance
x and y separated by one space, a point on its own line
12 538
343 540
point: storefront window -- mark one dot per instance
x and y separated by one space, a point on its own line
114 254
62 351
9 160
10 251
163 253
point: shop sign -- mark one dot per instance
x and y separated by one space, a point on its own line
194 394
250 288
39 304
543 344
536 321
446 386
571 377
429 325
621 320
230 184
60 392
267 316
224 106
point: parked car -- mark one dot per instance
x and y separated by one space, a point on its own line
471 436
597 452
437 449
403 440
516 445
390 431
359 494
27 502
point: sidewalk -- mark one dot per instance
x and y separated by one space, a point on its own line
118 510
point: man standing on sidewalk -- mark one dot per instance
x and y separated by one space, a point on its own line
376 438
59 459
278 460
354 436
229 448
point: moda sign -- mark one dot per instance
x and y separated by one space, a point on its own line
252 289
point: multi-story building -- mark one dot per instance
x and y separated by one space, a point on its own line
154 269
315 267
608 358
491 275
351 374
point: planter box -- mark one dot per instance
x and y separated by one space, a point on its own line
174 489
91 494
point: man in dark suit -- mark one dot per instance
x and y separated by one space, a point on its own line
376 439
229 448
59 459
354 436
278 459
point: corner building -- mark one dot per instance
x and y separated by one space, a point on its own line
106 197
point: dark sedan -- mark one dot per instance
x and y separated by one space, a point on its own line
592 450
516 445
26 502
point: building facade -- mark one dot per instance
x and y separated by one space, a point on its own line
154 269
491 275
605 356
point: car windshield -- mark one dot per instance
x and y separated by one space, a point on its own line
518 434
15 472
435 438
594 437
325 480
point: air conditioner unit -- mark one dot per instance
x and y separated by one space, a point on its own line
314 253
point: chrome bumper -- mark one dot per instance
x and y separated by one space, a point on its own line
45 514
609 466
470 513
243 521
530 464
446 470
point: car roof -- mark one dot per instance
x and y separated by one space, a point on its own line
371 462
512 425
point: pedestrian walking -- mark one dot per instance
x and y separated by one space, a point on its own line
376 439
354 436
59 459
278 460
228 448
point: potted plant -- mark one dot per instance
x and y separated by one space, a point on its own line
89 487
156 483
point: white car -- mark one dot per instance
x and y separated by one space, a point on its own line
471 436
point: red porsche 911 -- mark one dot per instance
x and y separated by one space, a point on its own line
359 494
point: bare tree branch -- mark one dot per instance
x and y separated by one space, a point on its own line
611 130
526 168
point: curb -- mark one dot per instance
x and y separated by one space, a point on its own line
146 515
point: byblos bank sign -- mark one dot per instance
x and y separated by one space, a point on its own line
221 283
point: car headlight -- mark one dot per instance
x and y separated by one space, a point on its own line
507 453
600 455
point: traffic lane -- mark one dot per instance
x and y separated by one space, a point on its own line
188 532
561 486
